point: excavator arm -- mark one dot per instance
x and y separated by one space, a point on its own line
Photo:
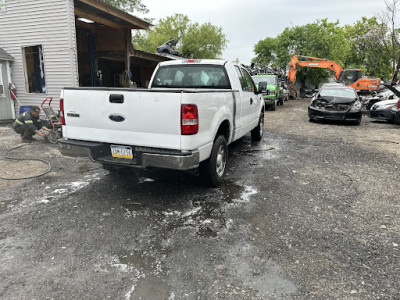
312 62
350 77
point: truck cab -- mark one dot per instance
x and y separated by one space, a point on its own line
274 96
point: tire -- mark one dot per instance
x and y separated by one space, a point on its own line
293 93
257 133
357 122
213 169
397 118
281 101
272 107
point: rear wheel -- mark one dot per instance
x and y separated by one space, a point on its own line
213 169
257 133
272 107
397 118
357 122
293 93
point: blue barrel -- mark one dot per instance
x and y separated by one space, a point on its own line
24 108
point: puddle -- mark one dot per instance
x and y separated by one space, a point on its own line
150 288
205 212
250 151
137 260
145 270
231 191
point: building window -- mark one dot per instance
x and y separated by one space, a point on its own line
34 69
2 5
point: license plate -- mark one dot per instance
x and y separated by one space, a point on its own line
121 151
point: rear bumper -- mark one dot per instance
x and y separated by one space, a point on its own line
314 113
142 156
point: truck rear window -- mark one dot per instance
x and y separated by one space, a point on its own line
191 76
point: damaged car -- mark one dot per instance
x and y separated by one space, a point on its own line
396 113
396 108
385 94
336 102
382 110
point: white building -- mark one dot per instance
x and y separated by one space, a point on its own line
59 43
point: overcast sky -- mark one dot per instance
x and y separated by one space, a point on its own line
246 22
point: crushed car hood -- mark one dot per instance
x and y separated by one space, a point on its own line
333 100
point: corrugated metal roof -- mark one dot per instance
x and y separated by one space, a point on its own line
5 56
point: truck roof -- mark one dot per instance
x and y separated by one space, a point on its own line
264 75
194 61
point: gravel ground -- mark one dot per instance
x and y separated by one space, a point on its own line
310 212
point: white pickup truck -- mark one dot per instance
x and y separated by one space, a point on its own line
186 118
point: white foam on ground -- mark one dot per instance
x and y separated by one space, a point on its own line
144 179
191 212
248 191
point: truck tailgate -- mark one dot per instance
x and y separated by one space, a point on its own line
121 116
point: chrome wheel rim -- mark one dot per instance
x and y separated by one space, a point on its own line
221 161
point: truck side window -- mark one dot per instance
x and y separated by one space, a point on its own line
241 78
249 82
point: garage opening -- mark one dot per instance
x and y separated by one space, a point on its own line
104 46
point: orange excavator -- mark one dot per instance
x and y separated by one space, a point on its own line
349 77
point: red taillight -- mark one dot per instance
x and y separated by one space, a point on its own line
189 119
398 105
62 111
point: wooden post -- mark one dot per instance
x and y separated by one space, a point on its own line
128 42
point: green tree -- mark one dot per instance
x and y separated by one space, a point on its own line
370 47
368 44
128 5
389 17
194 40
321 39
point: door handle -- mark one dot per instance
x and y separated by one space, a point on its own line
251 100
116 98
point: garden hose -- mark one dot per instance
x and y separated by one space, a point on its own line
34 159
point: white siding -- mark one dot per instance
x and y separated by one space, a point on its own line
49 23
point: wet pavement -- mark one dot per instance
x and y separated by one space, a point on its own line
302 215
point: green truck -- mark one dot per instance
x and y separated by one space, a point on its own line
275 90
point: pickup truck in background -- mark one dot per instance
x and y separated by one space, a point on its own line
274 87
186 118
